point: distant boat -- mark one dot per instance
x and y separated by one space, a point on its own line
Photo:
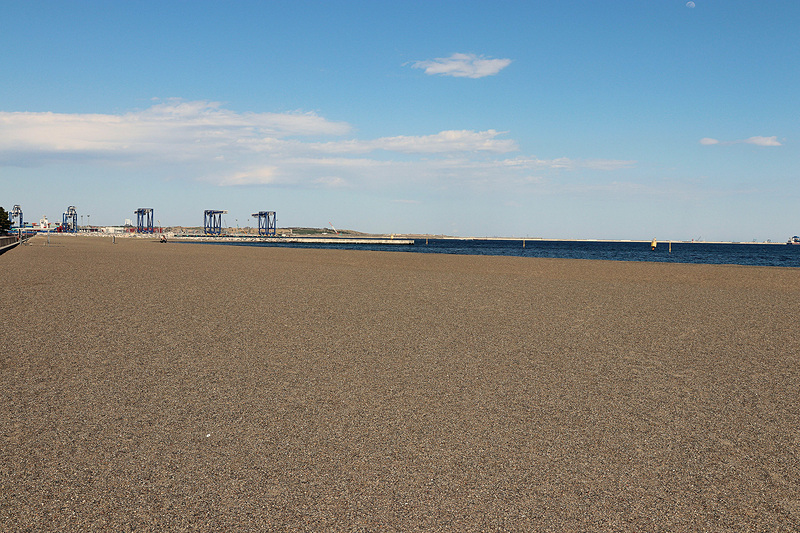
794 240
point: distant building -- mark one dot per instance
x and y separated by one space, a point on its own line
113 229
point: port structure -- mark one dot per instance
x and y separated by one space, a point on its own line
212 221
266 223
16 213
144 220
70 221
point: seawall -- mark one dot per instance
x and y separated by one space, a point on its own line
8 242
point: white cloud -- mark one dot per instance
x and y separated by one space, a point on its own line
442 142
757 140
763 141
253 176
203 141
565 163
463 66
449 141
174 130
331 181
607 164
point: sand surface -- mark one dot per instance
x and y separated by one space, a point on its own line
191 387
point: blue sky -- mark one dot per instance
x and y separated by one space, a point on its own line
569 119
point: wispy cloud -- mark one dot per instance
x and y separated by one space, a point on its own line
565 163
251 176
607 164
173 130
463 66
205 141
757 140
442 142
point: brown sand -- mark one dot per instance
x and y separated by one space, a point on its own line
155 387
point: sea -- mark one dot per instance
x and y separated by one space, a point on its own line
776 255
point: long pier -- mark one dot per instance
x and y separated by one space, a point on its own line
294 240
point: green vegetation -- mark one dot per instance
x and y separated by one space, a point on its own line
5 222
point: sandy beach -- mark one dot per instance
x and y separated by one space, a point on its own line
192 387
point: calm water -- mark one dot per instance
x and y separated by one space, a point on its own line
735 254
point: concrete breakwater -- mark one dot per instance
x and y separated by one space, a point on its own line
295 240
8 242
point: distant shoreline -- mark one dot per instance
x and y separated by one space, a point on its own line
545 239
179 233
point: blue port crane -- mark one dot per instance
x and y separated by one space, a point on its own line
144 220
212 221
266 223
69 223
